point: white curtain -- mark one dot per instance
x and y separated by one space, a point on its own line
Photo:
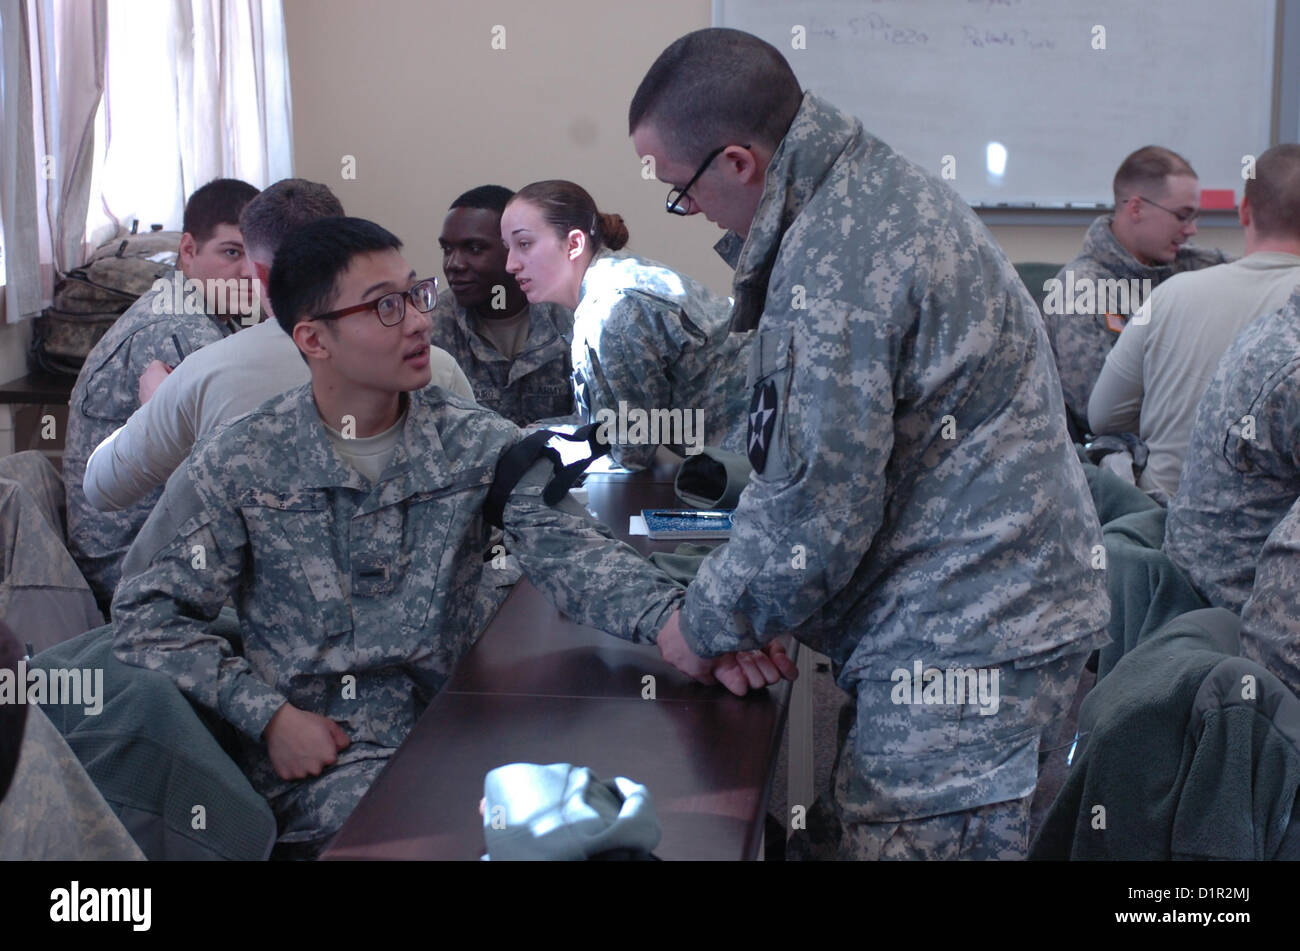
51 82
114 110
201 91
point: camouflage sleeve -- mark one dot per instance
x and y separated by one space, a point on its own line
1264 439
140 455
807 519
582 569
177 575
625 357
1270 620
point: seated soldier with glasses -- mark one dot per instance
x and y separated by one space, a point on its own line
345 518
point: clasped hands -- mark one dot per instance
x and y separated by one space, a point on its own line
739 672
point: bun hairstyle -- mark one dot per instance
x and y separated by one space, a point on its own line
611 230
568 207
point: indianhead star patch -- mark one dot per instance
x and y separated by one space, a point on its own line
762 421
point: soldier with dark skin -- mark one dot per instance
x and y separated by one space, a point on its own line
345 520
515 354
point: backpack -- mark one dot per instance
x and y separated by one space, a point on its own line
88 299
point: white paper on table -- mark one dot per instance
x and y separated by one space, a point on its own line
636 525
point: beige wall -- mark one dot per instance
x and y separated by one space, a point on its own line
415 91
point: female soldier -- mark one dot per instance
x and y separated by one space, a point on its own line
652 354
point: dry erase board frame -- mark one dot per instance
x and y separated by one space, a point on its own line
942 78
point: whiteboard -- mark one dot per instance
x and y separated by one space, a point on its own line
936 78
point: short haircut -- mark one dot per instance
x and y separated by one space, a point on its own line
219 202
567 207
1274 192
1146 170
717 87
487 197
311 258
288 204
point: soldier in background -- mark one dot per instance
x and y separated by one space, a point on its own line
1155 375
107 389
353 561
229 378
645 338
916 502
1157 202
516 355
1242 471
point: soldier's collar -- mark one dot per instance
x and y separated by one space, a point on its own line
818 136
595 274
1101 243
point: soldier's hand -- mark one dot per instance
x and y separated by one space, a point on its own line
301 744
749 670
672 646
151 379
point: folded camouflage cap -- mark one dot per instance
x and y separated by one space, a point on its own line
562 812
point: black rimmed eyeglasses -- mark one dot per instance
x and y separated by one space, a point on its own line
391 308
678 195
1183 216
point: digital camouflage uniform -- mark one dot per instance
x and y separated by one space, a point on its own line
355 602
535 384
42 593
1080 342
1270 619
105 396
651 338
1242 470
915 497
52 811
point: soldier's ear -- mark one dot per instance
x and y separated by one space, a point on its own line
747 164
313 344
575 244
1244 212
189 248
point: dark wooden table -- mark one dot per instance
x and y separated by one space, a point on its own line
37 389
537 687
24 403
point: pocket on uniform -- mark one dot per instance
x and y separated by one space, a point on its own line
293 558
111 393
442 556
1243 448
909 755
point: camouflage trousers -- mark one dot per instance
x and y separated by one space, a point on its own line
310 813
841 826
43 595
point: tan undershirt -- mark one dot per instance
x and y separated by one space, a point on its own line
507 334
369 455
